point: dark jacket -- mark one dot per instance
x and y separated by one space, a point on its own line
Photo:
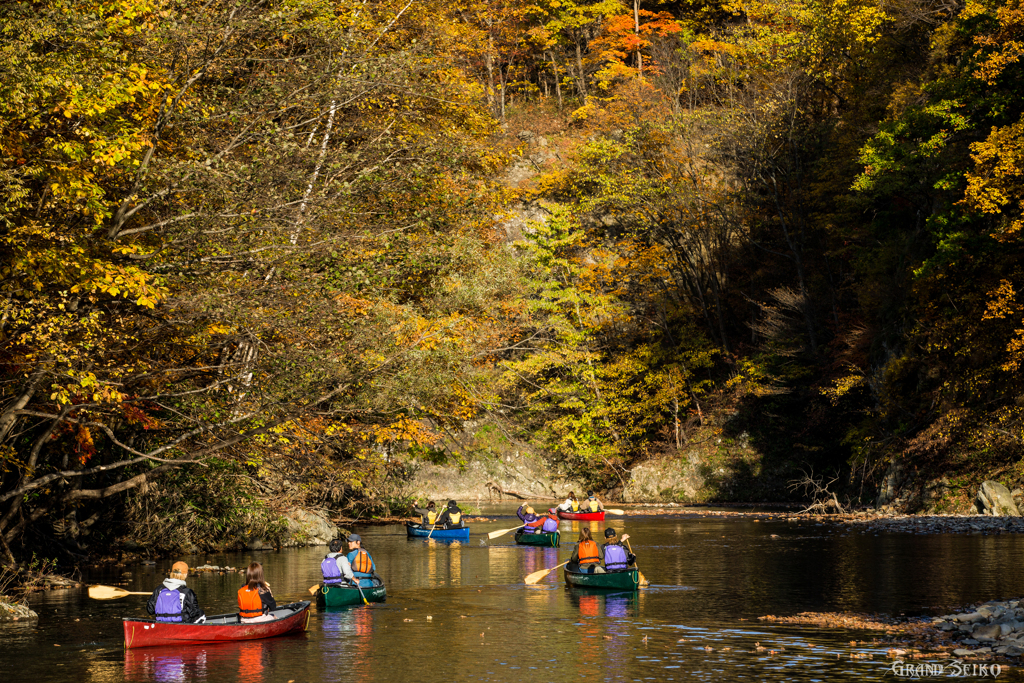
444 520
190 611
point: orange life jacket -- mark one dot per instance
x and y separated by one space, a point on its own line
362 563
250 604
588 552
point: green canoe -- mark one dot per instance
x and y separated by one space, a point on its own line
628 580
342 596
544 540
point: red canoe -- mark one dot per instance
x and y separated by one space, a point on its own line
584 516
222 628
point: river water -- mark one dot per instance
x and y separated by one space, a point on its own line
711 578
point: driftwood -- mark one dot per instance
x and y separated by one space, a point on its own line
493 488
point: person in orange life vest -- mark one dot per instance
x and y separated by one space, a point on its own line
255 601
591 504
174 602
616 557
335 567
570 504
550 523
450 517
531 521
362 564
586 558
429 513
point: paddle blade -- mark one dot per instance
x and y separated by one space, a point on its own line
537 576
314 589
615 511
108 592
643 580
495 534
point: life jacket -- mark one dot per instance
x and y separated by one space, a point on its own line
455 517
168 605
615 558
332 572
575 506
362 563
588 553
533 526
550 524
431 516
594 506
250 604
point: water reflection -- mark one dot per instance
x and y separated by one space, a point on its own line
712 578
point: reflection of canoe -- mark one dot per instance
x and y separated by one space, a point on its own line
343 596
583 516
420 531
628 580
291 618
545 540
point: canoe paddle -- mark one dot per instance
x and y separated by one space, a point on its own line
615 511
112 592
643 579
538 575
495 534
314 589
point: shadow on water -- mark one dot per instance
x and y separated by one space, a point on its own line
460 610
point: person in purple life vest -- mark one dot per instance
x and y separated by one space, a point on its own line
174 602
616 557
335 567
550 525
526 513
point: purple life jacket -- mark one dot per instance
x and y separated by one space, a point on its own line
332 572
615 557
168 606
550 525
528 517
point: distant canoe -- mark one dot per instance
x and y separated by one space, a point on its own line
343 596
582 516
546 540
628 580
291 618
420 531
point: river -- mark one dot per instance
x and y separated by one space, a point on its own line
711 578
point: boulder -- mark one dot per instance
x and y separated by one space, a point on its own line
15 611
995 499
987 632
307 527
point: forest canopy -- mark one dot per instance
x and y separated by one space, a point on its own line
246 241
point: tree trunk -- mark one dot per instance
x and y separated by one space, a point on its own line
636 29
558 79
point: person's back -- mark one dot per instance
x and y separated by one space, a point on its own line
335 567
428 514
550 524
451 518
255 601
587 555
174 602
616 557
363 567
592 504
531 525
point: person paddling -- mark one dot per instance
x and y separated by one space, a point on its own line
255 601
451 516
362 564
570 504
550 523
530 519
174 602
616 557
429 513
335 567
586 558
592 504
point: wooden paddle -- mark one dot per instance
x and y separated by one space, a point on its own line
538 575
615 511
314 589
495 534
112 592
643 579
